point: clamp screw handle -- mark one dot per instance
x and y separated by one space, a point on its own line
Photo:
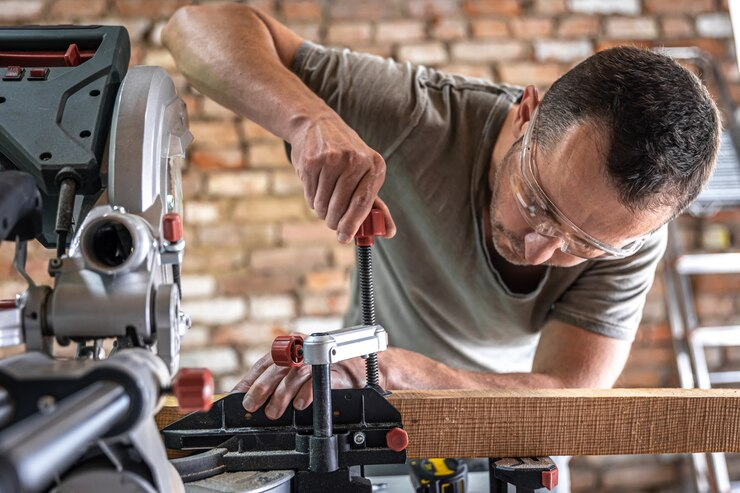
287 351
193 388
397 439
372 226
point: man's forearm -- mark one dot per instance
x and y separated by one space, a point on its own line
407 370
241 67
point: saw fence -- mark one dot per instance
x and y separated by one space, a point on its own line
531 423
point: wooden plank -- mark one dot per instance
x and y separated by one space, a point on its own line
523 423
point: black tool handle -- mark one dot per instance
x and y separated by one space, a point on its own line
20 206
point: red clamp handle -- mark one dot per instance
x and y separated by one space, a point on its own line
287 351
193 388
397 439
372 226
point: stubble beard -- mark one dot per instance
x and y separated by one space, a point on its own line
500 236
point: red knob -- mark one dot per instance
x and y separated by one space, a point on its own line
397 439
193 388
8 304
374 225
172 227
287 351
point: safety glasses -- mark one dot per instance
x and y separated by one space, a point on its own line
543 216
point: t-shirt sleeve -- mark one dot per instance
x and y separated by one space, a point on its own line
380 99
608 298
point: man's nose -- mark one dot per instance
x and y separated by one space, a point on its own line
539 248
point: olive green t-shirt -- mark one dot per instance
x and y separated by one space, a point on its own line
436 290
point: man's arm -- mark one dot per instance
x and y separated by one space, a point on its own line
240 57
567 357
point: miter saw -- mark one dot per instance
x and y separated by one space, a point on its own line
90 156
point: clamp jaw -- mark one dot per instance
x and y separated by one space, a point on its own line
342 428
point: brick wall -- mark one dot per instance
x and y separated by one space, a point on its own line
259 264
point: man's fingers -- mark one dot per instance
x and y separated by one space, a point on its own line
286 390
359 207
340 200
328 179
257 369
263 387
304 396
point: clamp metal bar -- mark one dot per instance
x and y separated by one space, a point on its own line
326 348
11 329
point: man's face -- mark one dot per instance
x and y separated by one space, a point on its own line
573 176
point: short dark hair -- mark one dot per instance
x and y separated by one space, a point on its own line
662 126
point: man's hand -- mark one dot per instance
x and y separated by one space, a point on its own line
278 384
341 175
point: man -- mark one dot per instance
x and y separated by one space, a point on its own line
528 231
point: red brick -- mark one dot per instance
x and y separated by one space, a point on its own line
423 54
399 31
215 159
492 7
241 184
214 134
366 10
21 10
718 48
639 476
192 183
606 44
324 304
687 7
296 259
326 280
266 6
201 212
529 73
488 51
78 9
716 284
489 28
550 7
286 183
477 71
213 110
676 27
148 8
578 26
267 154
248 334
433 9
644 378
270 209
252 131
307 233
383 51
300 10
311 32
250 235
201 260
259 282
343 255
531 27
631 28
349 33
449 29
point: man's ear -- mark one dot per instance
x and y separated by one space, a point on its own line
530 101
